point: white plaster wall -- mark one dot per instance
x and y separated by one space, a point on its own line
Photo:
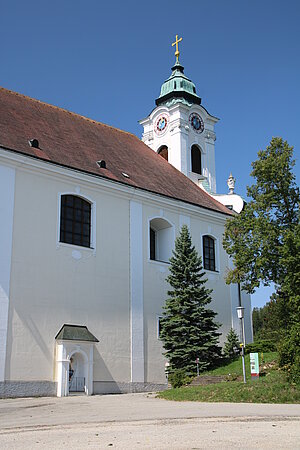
233 200
179 138
221 302
7 191
155 286
107 290
49 287
136 292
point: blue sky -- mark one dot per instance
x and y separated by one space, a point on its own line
107 61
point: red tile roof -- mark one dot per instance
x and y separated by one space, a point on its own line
75 141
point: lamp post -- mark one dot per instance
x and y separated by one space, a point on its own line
167 368
240 314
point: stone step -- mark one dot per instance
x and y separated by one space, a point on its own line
203 380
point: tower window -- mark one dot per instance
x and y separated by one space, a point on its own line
163 152
75 221
174 84
196 159
209 258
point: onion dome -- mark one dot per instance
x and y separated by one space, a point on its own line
178 86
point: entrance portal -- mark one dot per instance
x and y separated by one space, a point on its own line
74 350
77 373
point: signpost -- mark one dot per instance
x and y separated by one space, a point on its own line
254 366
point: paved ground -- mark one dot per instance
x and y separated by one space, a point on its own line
143 421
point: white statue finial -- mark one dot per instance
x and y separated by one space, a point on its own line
231 183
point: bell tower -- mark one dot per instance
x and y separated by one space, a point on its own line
181 130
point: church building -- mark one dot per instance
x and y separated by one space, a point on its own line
88 219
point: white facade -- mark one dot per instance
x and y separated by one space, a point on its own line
170 126
179 137
115 286
114 289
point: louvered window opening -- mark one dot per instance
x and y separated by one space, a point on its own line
196 159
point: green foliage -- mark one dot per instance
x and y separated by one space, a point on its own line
232 345
188 329
264 239
271 388
289 353
261 346
179 378
269 322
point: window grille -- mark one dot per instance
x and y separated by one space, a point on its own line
75 221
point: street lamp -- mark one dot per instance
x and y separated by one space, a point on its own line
240 314
167 368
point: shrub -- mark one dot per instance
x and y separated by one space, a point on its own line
262 345
178 378
289 353
232 345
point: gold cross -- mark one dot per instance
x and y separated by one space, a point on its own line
176 43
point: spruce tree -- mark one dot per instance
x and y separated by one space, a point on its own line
232 345
188 328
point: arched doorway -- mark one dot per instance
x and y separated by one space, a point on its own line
74 356
77 373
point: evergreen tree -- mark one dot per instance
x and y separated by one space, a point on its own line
188 328
232 345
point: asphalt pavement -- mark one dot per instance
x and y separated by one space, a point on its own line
144 421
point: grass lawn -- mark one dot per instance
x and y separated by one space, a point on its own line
271 387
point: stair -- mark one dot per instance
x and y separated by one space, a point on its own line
208 379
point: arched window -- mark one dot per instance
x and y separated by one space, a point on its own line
161 240
75 221
196 159
209 255
163 152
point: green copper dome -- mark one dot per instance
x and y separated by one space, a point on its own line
178 86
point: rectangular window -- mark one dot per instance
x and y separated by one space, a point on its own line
209 259
75 221
152 244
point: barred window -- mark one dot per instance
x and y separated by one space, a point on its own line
209 259
75 221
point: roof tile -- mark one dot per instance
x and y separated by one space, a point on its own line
75 141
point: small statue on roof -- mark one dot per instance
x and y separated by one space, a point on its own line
231 183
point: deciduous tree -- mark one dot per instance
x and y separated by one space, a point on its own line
264 239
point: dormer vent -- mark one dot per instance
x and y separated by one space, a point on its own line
33 143
101 164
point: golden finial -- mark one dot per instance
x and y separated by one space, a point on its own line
176 43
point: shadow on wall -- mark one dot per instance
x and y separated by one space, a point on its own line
31 326
103 381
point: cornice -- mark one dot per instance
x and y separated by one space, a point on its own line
93 182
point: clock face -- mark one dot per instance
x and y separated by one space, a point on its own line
196 122
161 124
